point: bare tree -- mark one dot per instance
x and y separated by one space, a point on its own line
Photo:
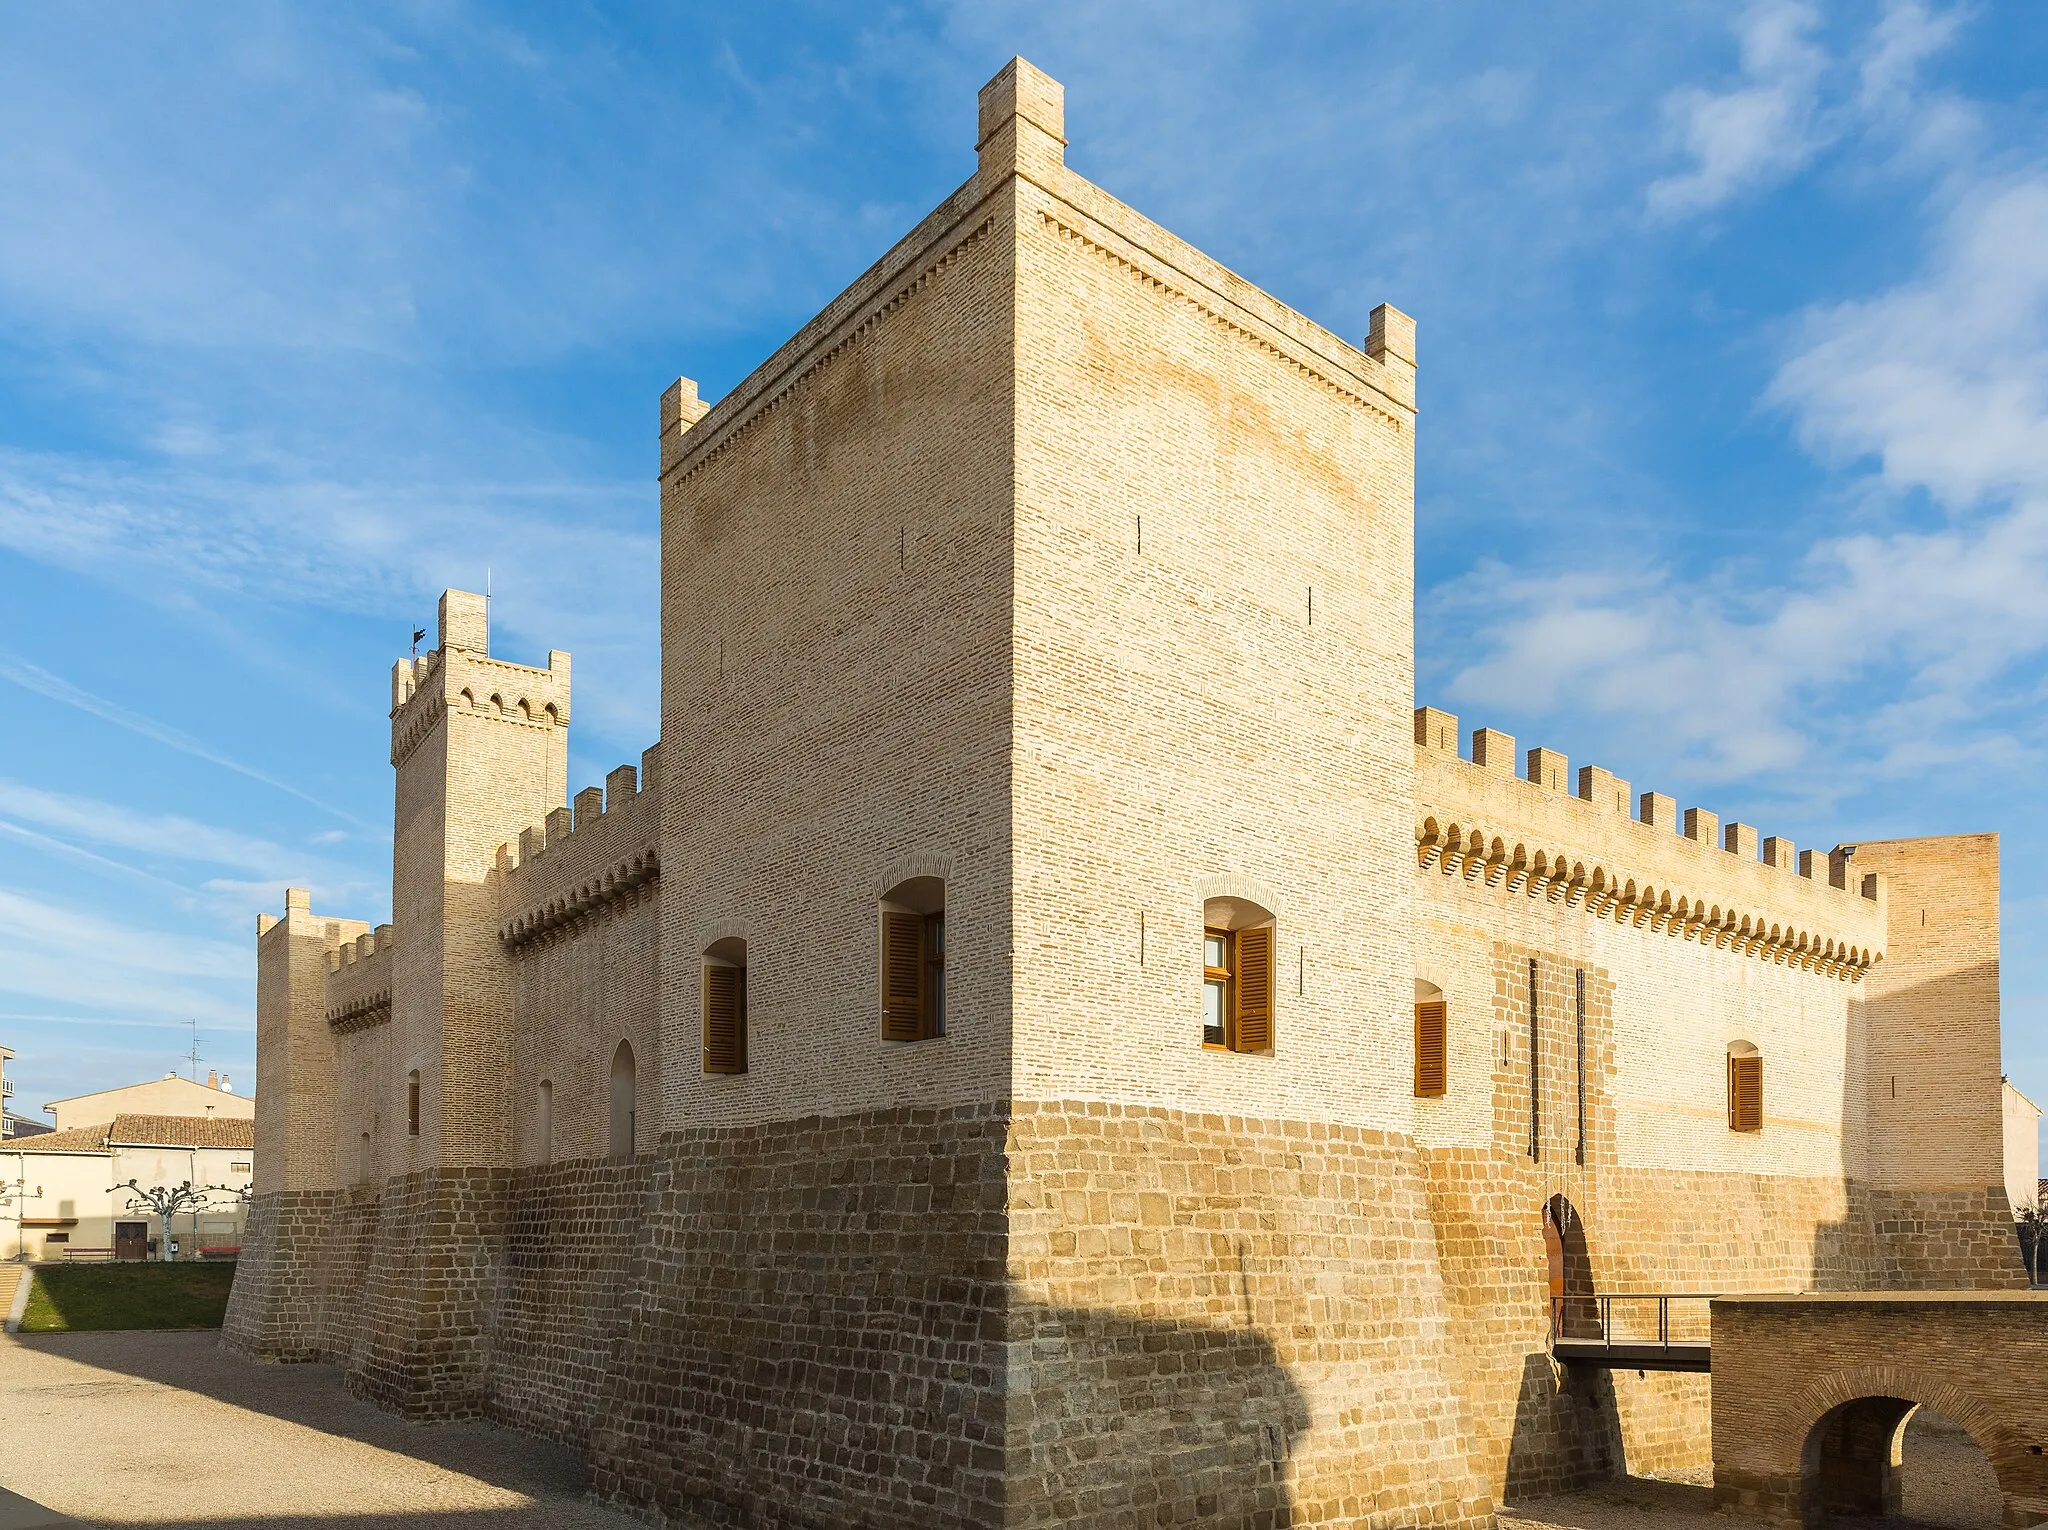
167 1203
2031 1221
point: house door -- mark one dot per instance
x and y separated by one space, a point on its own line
131 1240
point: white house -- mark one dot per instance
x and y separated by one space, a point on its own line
64 1195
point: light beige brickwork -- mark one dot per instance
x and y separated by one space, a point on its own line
1055 584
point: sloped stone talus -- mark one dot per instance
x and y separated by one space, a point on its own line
1226 1320
1071 1314
571 1233
814 1332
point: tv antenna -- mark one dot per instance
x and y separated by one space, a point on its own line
193 1056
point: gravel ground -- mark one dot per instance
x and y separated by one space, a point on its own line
164 1429
1947 1483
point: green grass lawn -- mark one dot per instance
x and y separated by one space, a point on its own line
73 1298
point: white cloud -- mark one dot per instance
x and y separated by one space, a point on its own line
92 964
1943 382
1758 131
167 836
33 677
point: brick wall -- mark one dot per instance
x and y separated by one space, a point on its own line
1787 1366
814 1335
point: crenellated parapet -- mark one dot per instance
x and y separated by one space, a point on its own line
461 679
582 859
359 981
1539 832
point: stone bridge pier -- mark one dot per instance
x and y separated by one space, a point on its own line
1812 1394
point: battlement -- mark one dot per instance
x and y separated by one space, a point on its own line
1537 828
461 678
359 980
584 857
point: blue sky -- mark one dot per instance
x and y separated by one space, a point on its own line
1733 461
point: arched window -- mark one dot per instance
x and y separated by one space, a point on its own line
625 1102
913 960
1745 1088
363 1160
725 1007
544 1122
1432 1047
412 1103
1237 976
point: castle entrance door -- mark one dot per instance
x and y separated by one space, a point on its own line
1574 1314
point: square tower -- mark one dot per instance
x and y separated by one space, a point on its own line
1040 608
481 750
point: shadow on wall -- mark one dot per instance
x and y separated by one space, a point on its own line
1567 1430
1923 1120
1131 1420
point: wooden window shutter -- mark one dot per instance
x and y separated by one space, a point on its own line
725 1020
1254 991
1431 1064
902 976
1746 1094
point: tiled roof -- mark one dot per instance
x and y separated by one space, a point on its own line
143 1131
73 1139
183 1131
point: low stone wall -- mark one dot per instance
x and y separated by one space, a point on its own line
1810 1393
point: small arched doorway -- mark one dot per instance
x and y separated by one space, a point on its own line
1879 1456
625 1102
1574 1314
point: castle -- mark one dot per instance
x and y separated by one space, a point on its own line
1050 1035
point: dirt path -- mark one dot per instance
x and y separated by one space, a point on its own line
164 1429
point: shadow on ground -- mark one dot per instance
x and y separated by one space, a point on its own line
156 1412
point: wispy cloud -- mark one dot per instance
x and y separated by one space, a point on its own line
1942 382
1792 100
33 677
1757 131
91 964
168 835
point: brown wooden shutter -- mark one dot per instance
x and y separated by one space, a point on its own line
1431 1065
902 976
1254 990
725 1020
1746 1094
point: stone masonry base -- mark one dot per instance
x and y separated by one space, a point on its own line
1056 1313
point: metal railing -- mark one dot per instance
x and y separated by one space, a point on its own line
1590 1319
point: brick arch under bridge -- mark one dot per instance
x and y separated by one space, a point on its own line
1811 1395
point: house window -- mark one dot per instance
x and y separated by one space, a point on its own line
725 1007
625 1102
239 1168
64 1237
412 1103
1432 1044
1237 976
913 960
1745 1088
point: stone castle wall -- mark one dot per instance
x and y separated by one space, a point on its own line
1057 564
580 926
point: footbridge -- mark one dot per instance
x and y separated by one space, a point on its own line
1812 1394
1633 1330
